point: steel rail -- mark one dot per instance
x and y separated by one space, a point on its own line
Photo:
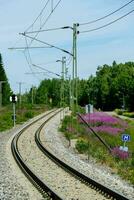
42 187
91 182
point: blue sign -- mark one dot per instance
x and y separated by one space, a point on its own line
125 137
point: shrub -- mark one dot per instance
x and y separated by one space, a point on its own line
29 114
82 146
127 114
118 111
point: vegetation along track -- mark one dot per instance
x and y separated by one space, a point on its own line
47 166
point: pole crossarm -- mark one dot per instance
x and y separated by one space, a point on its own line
50 29
53 46
23 48
47 70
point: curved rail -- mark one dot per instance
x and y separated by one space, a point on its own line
103 189
35 180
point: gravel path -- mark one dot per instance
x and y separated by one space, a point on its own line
57 144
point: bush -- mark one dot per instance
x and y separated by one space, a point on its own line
82 146
29 114
118 111
127 114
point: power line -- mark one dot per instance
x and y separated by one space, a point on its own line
95 29
101 18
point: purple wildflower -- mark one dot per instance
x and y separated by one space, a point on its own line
108 129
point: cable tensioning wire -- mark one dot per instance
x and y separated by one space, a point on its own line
95 29
101 18
29 60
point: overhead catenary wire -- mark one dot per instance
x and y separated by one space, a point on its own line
29 60
38 16
45 22
101 18
108 24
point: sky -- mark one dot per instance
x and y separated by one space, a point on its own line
115 42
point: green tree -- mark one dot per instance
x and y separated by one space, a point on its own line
6 91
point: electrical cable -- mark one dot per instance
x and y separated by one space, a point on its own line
101 18
105 25
37 16
29 60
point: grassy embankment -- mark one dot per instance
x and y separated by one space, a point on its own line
26 112
110 129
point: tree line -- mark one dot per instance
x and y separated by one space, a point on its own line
112 87
5 89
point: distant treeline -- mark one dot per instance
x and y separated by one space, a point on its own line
112 87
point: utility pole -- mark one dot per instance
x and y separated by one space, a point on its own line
20 84
1 82
74 71
63 61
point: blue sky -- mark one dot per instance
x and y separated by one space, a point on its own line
96 48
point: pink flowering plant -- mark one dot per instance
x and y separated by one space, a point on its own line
117 152
104 123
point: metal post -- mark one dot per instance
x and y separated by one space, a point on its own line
20 84
14 114
74 70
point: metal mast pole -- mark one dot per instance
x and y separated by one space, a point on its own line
74 70
20 100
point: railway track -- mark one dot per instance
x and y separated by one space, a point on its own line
65 180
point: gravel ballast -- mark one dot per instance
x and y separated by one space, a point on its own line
13 184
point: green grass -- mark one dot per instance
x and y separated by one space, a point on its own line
26 112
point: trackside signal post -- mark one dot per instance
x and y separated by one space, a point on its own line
13 99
